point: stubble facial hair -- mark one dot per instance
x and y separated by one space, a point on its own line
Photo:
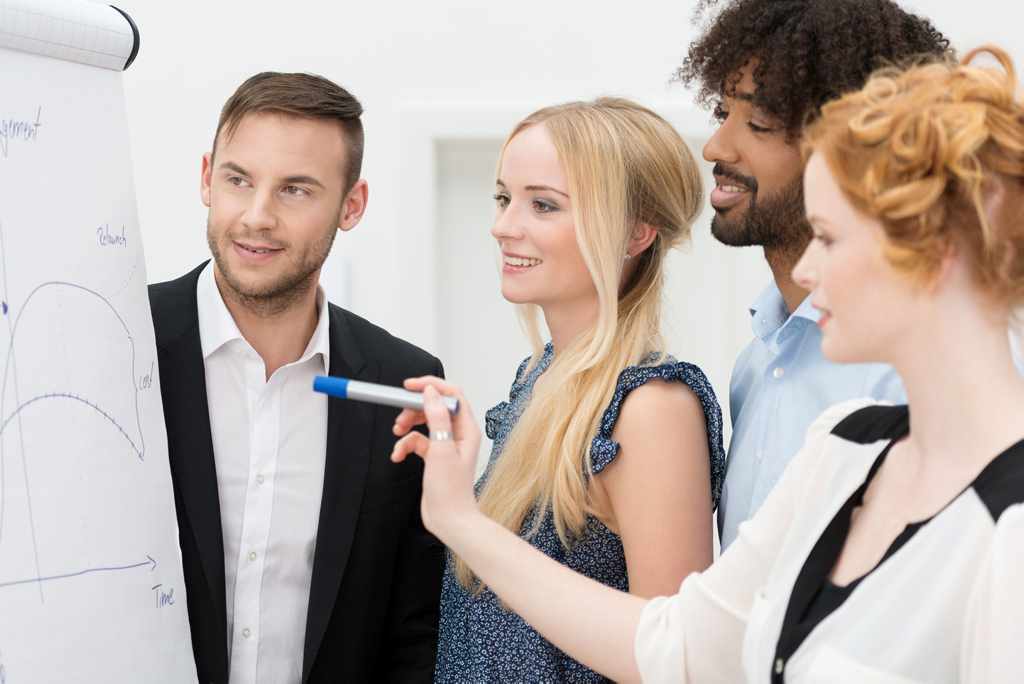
277 297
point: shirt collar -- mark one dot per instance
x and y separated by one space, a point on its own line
807 310
769 312
217 327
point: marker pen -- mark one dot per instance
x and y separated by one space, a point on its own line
376 394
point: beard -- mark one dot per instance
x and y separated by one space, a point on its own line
269 297
775 222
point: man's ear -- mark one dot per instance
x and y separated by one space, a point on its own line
354 205
643 236
206 178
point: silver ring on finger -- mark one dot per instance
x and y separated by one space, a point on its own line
440 435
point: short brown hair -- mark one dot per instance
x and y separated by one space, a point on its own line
936 155
304 95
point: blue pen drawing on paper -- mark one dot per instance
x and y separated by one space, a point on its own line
48 302
113 239
89 563
164 596
23 130
75 391
69 328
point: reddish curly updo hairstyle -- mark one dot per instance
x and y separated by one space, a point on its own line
936 154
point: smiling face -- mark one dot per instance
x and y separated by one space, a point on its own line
275 192
541 261
867 306
757 198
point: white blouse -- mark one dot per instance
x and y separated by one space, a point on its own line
947 606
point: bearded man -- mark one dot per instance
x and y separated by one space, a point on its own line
304 555
766 67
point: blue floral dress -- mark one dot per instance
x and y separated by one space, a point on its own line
482 642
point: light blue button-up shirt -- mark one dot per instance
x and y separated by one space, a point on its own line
780 384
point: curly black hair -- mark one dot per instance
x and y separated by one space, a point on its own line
808 51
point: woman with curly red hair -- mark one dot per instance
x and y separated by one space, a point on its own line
891 550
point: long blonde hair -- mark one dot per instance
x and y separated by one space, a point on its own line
626 166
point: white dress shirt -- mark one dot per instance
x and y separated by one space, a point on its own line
944 607
269 442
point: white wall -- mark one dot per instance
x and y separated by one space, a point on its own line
429 75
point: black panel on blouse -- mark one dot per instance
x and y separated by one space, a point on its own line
873 423
1001 484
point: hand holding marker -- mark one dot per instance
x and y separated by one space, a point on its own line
376 394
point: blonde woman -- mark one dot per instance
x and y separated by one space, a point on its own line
608 454
892 548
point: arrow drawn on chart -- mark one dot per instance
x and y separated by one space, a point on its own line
150 562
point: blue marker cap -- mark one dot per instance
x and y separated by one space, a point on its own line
336 387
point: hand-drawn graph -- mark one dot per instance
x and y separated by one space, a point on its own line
91 588
76 389
63 326
53 416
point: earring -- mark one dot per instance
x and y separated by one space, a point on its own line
625 256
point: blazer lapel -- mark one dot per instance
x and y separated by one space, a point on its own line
349 442
190 442
193 463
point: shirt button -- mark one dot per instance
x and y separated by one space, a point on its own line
246 633
778 372
779 665
244 352
758 455
259 479
252 555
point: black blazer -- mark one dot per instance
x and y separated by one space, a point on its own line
373 602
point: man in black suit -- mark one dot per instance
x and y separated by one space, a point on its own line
304 555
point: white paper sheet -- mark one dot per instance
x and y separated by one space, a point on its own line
91 587
75 30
